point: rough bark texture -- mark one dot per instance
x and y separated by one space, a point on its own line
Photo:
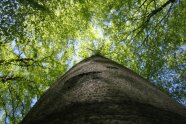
100 91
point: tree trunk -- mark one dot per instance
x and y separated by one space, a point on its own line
100 91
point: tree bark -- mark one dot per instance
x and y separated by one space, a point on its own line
100 91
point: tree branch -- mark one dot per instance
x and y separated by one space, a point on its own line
34 4
4 79
154 12
15 60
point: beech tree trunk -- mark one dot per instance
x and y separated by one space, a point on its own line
100 91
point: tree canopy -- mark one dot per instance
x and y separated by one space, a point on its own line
40 40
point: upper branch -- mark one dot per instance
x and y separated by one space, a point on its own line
34 4
15 60
154 12
4 79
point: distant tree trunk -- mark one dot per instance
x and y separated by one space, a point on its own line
100 91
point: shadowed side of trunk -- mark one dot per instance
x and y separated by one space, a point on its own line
100 91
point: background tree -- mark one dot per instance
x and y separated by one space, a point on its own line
40 40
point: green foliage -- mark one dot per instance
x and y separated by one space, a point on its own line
40 40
